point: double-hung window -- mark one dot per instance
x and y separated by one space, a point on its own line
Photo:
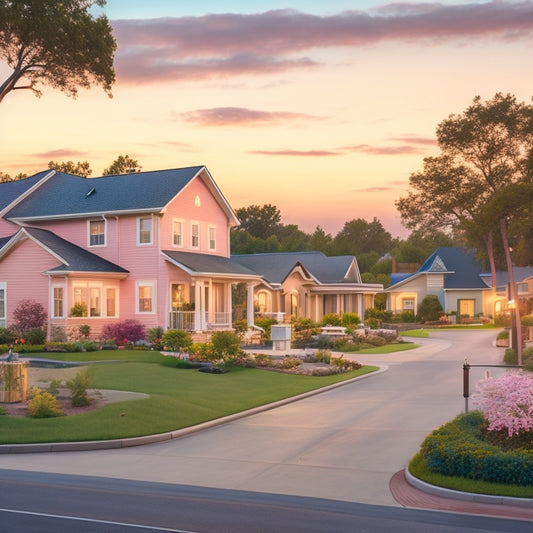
58 304
145 296
144 230
177 233
195 235
96 232
212 238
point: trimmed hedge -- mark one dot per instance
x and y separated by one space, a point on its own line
459 449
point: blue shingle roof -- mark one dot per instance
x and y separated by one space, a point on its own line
75 259
11 190
458 265
275 267
208 264
64 194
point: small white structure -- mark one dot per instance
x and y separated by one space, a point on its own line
281 337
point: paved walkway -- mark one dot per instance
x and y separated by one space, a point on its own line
350 443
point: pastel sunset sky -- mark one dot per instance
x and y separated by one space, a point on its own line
323 109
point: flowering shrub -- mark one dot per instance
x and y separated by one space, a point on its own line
506 402
28 314
176 340
124 332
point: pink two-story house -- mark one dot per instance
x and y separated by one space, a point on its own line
150 246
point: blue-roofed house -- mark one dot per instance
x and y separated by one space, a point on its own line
453 275
308 284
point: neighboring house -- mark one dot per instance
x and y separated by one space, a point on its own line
523 278
451 274
308 284
149 246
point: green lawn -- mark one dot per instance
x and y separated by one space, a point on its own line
178 398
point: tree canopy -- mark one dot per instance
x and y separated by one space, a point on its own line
259 221
483 150
60 44
123 164
81 168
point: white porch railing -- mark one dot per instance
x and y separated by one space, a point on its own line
182 320
186 320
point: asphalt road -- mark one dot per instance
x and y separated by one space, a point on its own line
328 458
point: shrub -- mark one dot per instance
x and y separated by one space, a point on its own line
58 334
53 388
502 320
155 337
263 359
301 323
345 364
502 335
43 404
85 330
127 331
288 363
506 402
430 309
7 336
78 386
375 340
527 320
324 341
28 314
176 340
510 357
176 362
372 323
323 356
226 344
240 326
265 323
331 319
407 316
458 449
350 320
35 336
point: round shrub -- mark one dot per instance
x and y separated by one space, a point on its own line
176 340
7 336
458 449
126 331
510 357
35 336
331 319
43 404
350 320
430 309
226 344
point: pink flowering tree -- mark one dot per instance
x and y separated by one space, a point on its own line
506 402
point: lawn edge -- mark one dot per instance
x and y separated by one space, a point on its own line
176 434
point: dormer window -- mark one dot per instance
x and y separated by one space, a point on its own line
96 232
144 230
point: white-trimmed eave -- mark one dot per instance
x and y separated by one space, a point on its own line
300 268
209 182
22 235
26 193
85 274
348 287
446 289
412 277
66 216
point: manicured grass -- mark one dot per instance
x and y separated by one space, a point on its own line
418 468
178 398
421 333
391 348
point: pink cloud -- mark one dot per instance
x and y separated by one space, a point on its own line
297 153
230 44
405 149
63 152
240 116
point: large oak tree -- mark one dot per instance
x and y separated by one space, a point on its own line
56 43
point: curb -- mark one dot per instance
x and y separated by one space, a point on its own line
466 496
161 437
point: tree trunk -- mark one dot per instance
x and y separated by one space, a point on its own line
512 289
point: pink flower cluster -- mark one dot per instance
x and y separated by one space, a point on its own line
506 402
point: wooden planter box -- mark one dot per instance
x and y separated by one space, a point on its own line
13 381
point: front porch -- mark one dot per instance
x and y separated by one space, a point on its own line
193 321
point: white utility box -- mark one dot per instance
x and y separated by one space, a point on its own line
281 337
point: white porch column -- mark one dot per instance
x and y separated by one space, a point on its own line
361 306
229 303
199 307
250 305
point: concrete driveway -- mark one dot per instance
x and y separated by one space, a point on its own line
344 444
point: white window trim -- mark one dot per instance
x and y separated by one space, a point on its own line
193 224
182 222
88 285
89 245
139 243
138 285
52 303
209 247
